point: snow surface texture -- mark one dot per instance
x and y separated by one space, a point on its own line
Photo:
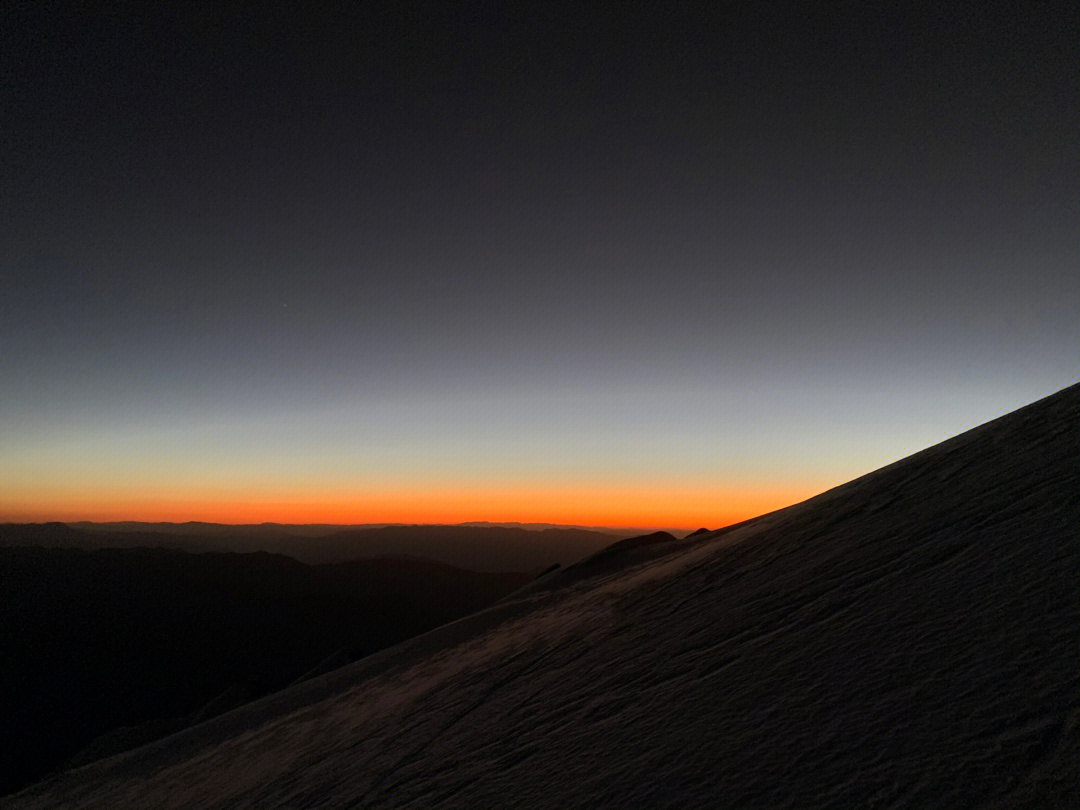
909 639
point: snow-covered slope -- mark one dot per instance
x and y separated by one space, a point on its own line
909 639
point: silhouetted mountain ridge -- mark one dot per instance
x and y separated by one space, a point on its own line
475 547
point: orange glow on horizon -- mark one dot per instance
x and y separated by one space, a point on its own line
613 506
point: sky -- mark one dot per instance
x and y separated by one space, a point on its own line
440 264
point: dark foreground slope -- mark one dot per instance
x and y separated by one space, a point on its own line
909 639
105 650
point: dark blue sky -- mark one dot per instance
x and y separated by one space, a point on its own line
466 251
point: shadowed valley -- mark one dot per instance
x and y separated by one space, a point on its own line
108 649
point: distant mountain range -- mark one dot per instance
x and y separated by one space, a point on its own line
478 547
